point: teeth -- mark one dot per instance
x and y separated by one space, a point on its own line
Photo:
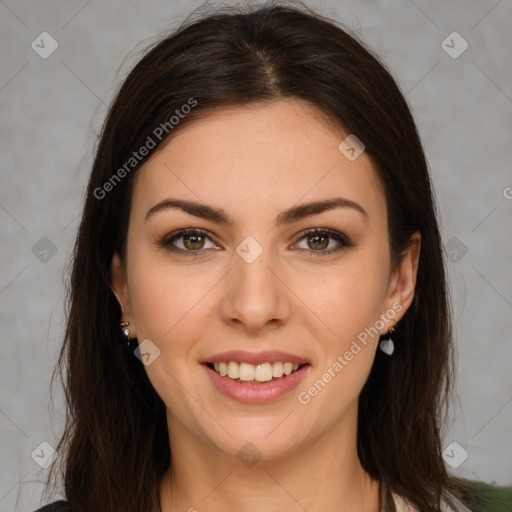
246 371
264 372
277 369
223 369
233 368
249 372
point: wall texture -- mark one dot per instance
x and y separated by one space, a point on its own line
451 58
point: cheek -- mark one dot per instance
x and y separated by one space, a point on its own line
163 298
349 304
169 306
348 298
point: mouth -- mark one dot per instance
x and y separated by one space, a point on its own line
256 377
248 373
258 384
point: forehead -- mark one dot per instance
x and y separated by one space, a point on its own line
260 156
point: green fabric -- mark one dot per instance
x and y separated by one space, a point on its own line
483 497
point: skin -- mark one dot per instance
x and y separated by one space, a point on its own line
255 162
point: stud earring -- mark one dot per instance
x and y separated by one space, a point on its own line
386 345
124 329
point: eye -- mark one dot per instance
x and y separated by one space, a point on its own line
323 241
190 241
194 241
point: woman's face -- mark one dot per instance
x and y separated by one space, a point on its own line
252 279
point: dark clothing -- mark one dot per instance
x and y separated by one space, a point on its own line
56 506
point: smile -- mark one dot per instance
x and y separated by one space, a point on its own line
288 376
247 372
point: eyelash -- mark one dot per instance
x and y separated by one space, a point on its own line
345 242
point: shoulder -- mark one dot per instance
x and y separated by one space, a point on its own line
402 505
56 506
454 505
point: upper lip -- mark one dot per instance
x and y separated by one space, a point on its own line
243 356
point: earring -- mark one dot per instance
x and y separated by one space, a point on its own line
386 345
124 329
126 342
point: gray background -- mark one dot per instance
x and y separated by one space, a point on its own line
52 109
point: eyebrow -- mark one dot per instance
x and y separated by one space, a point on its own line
289 216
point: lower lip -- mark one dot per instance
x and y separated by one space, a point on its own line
262 393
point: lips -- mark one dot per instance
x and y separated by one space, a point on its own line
255 393
256 377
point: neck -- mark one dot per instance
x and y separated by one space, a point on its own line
325 475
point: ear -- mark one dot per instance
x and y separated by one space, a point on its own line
403 281
119 286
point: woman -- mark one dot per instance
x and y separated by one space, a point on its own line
258 315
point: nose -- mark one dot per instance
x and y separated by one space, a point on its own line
255 299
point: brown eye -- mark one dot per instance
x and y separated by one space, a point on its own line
318 242
323 241
193 241
188 241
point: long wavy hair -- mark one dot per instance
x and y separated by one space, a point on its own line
115 446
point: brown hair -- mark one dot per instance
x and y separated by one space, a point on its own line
115 446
